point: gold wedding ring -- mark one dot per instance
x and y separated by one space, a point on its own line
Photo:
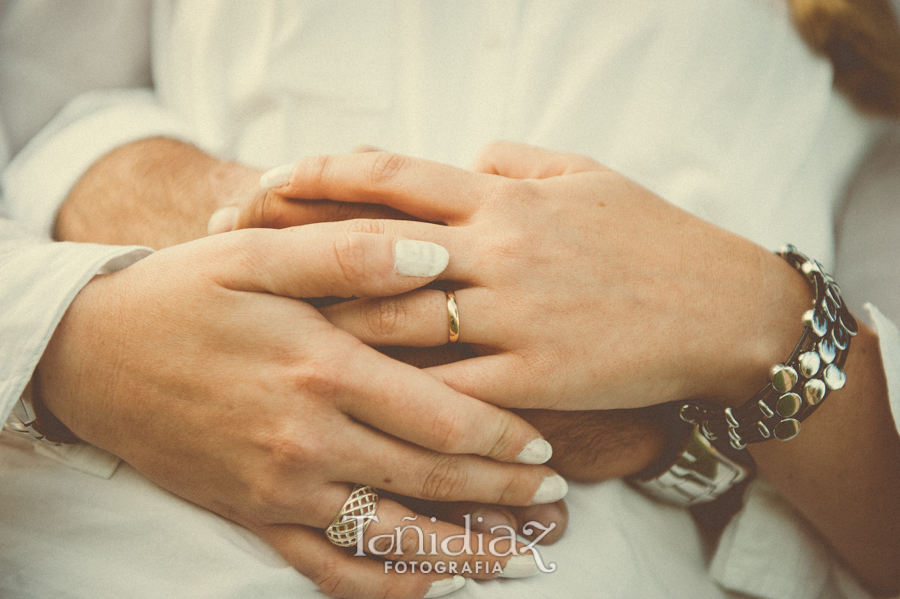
351 523
452 317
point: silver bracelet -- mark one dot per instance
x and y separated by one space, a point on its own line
801 384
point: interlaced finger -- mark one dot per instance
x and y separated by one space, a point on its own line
424 189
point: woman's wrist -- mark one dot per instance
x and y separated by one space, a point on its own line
798 384
763 328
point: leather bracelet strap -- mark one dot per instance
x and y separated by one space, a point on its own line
798 386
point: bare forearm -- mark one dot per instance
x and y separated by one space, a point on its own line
843 471
155 192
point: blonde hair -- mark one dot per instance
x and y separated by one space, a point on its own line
862 40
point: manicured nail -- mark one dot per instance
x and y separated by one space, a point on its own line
519 566
414 258
223 220
536 452
276 177
553 488
445 586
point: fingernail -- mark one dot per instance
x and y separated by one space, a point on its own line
553 488
223 220
276 177
414 258
536 452
484 519
445 586
519 566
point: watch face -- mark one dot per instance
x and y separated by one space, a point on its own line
700 474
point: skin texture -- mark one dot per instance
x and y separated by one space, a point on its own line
571 280
124 199
220 386
505 239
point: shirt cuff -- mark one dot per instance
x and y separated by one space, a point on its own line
40 177
40 281
889 343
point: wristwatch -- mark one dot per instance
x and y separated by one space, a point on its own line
699 473
36 422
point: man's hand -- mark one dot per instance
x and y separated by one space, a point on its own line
160 192
198 367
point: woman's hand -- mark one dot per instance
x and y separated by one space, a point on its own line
581 289
198 367
584 290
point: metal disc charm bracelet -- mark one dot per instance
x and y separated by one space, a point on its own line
801 383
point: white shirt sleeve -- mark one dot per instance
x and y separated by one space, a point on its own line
38 281
40 177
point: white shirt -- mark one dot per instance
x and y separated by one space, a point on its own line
715 104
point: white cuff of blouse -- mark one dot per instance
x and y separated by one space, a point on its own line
40 280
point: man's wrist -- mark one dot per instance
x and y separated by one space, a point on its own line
156 192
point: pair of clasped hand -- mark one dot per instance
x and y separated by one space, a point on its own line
271 410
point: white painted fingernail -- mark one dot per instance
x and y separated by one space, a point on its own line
519 566
414 258
553 488
445 586
223 220
276 177
536 452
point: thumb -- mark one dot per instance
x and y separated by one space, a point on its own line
321 261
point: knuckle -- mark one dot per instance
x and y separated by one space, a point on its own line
446 479
287 446
385 317
267 495
318 167
285 449
510 245
341 211
583 163
504 436
264 214
350 256
446 432
512 493
492 148
385 167
330 578
365 225
411 543
382 543
505 194
317 378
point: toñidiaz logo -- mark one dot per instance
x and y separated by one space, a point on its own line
504 543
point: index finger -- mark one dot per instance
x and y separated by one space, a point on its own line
424 189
